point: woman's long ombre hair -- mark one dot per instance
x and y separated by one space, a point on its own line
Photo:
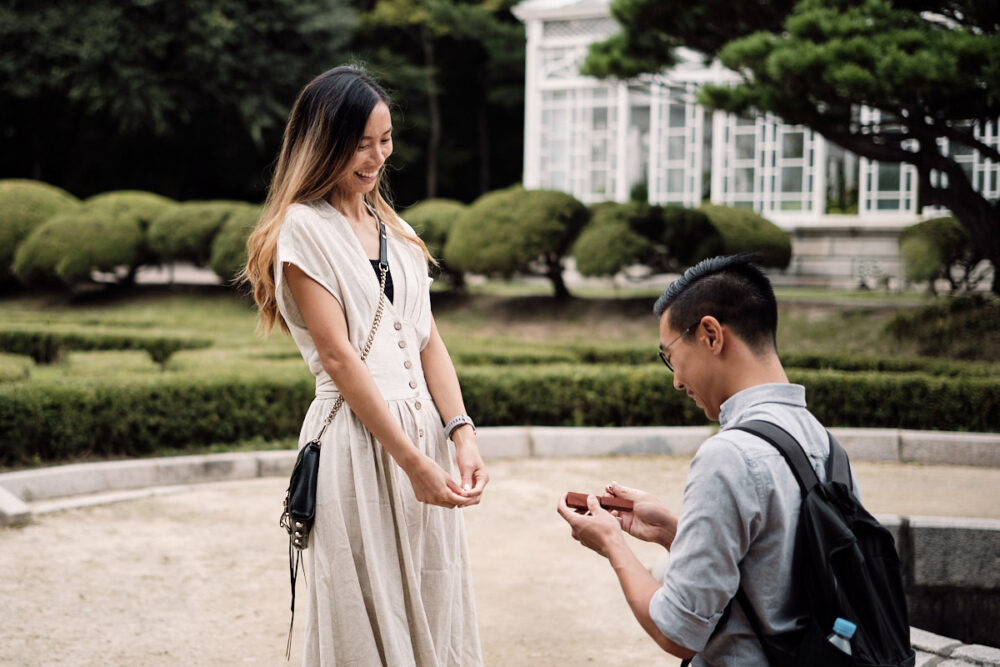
323 132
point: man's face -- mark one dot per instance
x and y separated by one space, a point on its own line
695 367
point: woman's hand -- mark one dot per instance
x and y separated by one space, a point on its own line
470 466
649 520
432 485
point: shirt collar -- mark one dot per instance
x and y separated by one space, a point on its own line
777 392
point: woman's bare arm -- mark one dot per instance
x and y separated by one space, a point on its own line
327 325
439 371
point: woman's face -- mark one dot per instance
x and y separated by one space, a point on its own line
370 155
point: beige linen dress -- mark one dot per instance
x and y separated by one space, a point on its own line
388 576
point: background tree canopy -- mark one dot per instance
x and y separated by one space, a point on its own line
188 98
931 67
183 97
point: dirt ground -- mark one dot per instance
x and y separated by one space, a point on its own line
162 581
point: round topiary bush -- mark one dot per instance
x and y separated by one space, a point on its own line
689 237
69 247
516 230
229 249
742 230
143 206
432 220
24 205
186 231
609 243
940 248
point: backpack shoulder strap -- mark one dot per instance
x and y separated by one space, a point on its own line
838 467
789 447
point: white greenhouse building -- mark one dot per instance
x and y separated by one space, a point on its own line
599 139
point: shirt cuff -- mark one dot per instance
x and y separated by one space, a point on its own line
680 625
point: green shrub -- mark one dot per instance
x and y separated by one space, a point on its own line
23 206
433 220
936 367
965 327
940 248
59 422
186 232
56 421
607 245
67 248
106 234
689 237
46 347
666 239
742 230
229 249
516 230
15 367
143 206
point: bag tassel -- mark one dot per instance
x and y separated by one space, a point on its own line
294 559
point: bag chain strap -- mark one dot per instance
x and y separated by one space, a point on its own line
383 270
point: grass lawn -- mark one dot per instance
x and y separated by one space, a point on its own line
842 323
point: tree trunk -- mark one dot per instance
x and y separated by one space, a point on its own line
980 218
484 145
556 276
434 110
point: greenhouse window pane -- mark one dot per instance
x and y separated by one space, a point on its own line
745 144
792 144
675 148
743 179
888 177
677 116
675 180
600 118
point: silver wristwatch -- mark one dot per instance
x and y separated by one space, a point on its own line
456 422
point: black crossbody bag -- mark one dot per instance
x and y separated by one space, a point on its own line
299 510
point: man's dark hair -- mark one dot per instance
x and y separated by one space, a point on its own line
732 289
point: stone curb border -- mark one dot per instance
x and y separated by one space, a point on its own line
930 540
106 481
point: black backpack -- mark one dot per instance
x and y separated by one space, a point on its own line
846 564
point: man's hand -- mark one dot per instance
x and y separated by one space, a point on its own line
597 530
649 520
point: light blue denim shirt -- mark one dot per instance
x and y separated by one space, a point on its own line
737 525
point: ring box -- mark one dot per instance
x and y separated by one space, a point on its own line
579 501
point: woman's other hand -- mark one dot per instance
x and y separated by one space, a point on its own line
470 465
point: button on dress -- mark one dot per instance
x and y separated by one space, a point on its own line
388 576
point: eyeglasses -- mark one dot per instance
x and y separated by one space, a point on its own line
663 350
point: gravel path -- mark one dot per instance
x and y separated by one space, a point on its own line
161 581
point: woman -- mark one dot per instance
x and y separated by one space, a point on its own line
387 563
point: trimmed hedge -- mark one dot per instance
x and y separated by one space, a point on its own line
24 205
60 421
15 367
46 347
516 230
229 249
501 353
433 220
186 232
608 243
743 230
107 233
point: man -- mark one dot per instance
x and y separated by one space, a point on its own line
741 501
